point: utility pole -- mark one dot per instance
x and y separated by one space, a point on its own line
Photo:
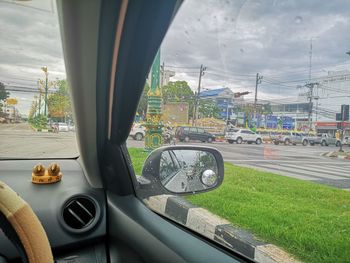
39 88
257 82
46 87
310 60
310 86
195 112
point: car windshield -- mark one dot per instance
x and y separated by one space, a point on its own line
277 66
36 118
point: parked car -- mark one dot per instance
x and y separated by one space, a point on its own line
138 132
324 139
187 134
242 135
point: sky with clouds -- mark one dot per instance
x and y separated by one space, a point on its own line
234 39
237 39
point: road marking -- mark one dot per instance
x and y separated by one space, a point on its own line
317 172
278 172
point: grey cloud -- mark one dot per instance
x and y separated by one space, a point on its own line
240 38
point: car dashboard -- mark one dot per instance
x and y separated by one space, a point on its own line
72 213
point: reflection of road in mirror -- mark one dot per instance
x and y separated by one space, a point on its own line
181 170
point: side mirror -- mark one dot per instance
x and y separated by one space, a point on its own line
181 170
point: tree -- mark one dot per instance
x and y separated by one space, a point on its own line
59 104
178 91
3 95
208 108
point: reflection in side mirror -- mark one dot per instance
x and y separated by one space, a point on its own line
181 170
209 178
198 174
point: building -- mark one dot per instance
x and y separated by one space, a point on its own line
223 98
165 77
331 127
295 108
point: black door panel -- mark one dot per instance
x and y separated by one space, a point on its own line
152 238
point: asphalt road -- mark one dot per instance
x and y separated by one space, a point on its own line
301 162
20 141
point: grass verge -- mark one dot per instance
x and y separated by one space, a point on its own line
310 221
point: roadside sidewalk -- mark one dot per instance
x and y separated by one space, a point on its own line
218 229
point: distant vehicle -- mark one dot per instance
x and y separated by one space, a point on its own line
63 127
187 134
324 139
346 141
71 127
3 120
291 137
265 135
138 132
242 135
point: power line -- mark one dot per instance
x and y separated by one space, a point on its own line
186 67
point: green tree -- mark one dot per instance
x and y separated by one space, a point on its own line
208 108
3 95
59 103
178 91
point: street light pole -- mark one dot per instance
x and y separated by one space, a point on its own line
46 87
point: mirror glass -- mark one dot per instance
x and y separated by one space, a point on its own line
184 171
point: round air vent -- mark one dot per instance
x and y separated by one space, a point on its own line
80 213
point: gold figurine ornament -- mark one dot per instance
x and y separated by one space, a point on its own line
42 176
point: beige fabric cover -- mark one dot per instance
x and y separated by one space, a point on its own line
26 224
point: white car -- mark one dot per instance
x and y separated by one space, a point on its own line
63 127
242 135
138 132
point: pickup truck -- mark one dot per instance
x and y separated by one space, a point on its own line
324 139
290 137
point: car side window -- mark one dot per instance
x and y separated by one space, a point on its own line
194 130
201 130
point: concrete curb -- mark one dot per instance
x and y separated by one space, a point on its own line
218 229
331 155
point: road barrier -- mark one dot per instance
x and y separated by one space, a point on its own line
218 229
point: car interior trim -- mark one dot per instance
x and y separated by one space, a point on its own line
118 34
79 28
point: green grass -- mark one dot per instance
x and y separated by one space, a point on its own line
310 221
138 156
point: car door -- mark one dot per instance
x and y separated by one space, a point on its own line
193 133
331 139
201 134
297 137
247 135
